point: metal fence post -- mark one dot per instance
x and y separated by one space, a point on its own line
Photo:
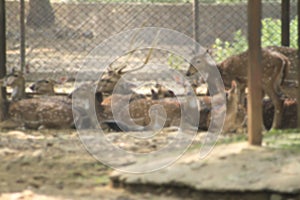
298 71
2 59
196 22
22 31
254 73
285 23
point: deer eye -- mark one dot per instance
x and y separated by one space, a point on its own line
198 61
16 75
46 81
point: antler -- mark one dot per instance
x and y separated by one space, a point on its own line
130 54
148 56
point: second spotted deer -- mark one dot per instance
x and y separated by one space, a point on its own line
275 68
35 113
141 117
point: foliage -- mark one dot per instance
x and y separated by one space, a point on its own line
271 35
175 61
224 49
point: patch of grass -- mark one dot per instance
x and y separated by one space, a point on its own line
283 139
280 132
279 139
232 139
102 180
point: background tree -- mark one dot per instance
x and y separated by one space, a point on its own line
40 14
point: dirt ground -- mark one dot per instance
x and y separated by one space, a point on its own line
54 165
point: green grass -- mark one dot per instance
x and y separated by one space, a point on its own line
102 180
279 139
283 139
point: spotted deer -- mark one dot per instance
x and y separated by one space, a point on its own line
275 68
143 118
36 113
289 119
16 81
290 84
44 87
159 91
235 118
109 80
113 74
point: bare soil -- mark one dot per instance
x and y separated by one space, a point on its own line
53 164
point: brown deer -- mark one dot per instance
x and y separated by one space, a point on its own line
109 80
235 112
290 84
113 74
141 117
289 119
36 113
44 87
159 92
140 114
16 81
275 67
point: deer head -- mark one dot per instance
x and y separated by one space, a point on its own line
235 112
114 73
45 87
199 63
159 92
16 81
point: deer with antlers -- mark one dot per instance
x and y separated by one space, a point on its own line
109 79
275 68
141 117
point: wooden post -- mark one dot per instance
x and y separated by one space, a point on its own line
285 23
298 71
3 108
254 73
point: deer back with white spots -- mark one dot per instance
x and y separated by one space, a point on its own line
275 68
290 83
34 113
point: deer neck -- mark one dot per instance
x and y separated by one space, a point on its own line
50 93
18 92
231 112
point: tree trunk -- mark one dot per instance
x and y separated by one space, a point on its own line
40 14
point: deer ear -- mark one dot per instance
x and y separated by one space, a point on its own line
171 93
209 51
99 97
61 80
233 85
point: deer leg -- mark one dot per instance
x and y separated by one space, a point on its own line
278 78
278 108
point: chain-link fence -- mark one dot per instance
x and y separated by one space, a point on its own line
60 34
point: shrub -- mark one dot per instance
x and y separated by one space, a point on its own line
271 35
